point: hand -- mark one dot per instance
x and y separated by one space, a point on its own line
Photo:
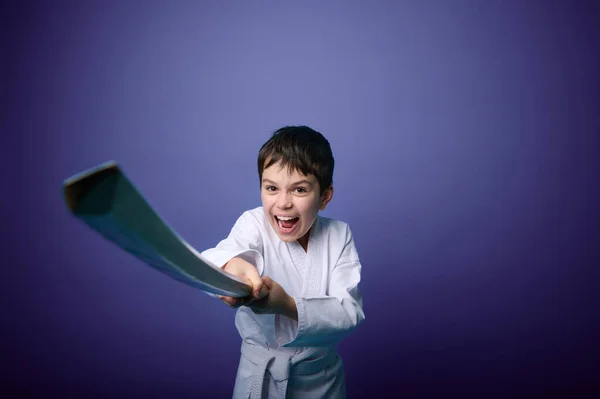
276 302
248 272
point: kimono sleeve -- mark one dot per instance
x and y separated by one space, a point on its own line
244 241
327 320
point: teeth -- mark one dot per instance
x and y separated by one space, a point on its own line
285 217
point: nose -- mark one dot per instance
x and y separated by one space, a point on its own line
284 200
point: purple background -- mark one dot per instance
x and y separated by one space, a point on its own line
465 135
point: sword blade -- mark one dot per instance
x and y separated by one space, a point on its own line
107 201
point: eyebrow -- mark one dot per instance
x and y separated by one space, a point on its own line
293 184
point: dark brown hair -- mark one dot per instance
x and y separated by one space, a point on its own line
299 148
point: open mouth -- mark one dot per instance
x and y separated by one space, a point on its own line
287 224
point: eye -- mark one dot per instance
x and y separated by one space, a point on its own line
301 190
270 188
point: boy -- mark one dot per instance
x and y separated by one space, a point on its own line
304 271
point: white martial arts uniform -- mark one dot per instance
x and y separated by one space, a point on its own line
280 355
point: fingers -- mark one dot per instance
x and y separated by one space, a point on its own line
256 283
261 288
241 268
231 302
263 292
268 281
227 299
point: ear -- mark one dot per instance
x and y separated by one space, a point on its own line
326 197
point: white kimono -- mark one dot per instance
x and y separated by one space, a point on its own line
300 357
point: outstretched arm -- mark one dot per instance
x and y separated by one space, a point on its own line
318 321
326 320
241 255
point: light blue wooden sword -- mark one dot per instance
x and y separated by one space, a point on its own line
106 200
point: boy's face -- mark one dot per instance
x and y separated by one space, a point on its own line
291 202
